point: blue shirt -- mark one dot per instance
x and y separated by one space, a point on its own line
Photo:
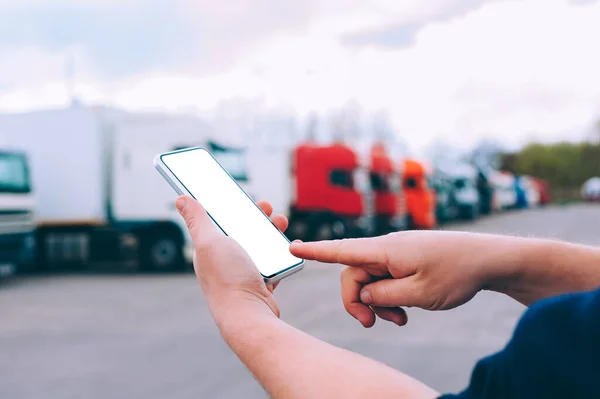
553 353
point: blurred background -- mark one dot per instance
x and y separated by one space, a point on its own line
353 118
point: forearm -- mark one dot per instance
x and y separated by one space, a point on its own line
534 269
291 364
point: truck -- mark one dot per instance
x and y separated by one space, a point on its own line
390 203
323 189
464 184
100 200
532 193
446 206
420 196
17 213
485 189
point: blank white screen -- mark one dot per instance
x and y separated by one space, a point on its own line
232 209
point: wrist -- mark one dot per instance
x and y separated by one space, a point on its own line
508 263
538 268
240 311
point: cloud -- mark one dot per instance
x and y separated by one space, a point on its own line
463 78
118 39
454 69
409 20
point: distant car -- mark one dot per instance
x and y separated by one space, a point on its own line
532 193
505 194
520 189
591 189
544 189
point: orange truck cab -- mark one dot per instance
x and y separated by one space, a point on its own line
420 198
390 205
329 198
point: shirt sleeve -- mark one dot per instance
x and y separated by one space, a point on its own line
554 353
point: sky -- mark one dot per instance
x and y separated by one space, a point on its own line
448 70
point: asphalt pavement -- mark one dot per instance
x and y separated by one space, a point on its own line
151 336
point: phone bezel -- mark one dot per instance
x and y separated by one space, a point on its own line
181 189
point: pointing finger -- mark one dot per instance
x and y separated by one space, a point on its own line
351 252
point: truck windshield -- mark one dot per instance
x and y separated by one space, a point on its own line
461 184
342 178
380 182
232 159
14 173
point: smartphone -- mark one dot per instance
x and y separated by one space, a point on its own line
195 172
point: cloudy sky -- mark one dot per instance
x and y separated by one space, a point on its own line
460 70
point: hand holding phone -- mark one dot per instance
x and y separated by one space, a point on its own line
232 289
196 173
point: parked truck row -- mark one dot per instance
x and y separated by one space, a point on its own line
77 188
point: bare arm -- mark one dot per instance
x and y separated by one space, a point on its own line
291 364
287 362
443 270
532 269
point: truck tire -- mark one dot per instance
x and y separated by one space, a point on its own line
329 230
161 252
471 213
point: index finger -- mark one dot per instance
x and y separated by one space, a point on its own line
350 251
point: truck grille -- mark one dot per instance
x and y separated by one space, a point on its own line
16 221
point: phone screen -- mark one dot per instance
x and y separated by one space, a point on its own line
232 209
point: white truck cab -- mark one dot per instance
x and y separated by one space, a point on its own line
17 212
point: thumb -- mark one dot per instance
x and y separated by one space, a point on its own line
200 225
392 293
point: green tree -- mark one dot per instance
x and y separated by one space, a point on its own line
566 166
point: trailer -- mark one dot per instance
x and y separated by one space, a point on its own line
99 198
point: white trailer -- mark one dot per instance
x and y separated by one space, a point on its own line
99 197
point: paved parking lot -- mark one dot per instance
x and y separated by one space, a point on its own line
138 336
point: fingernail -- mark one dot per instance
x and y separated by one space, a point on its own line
365 297
296 241
180 204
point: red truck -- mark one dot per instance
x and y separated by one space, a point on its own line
544 189
323 189
420 198
390 203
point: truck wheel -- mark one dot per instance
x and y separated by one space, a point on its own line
161 253
330 230
471 213
297 230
